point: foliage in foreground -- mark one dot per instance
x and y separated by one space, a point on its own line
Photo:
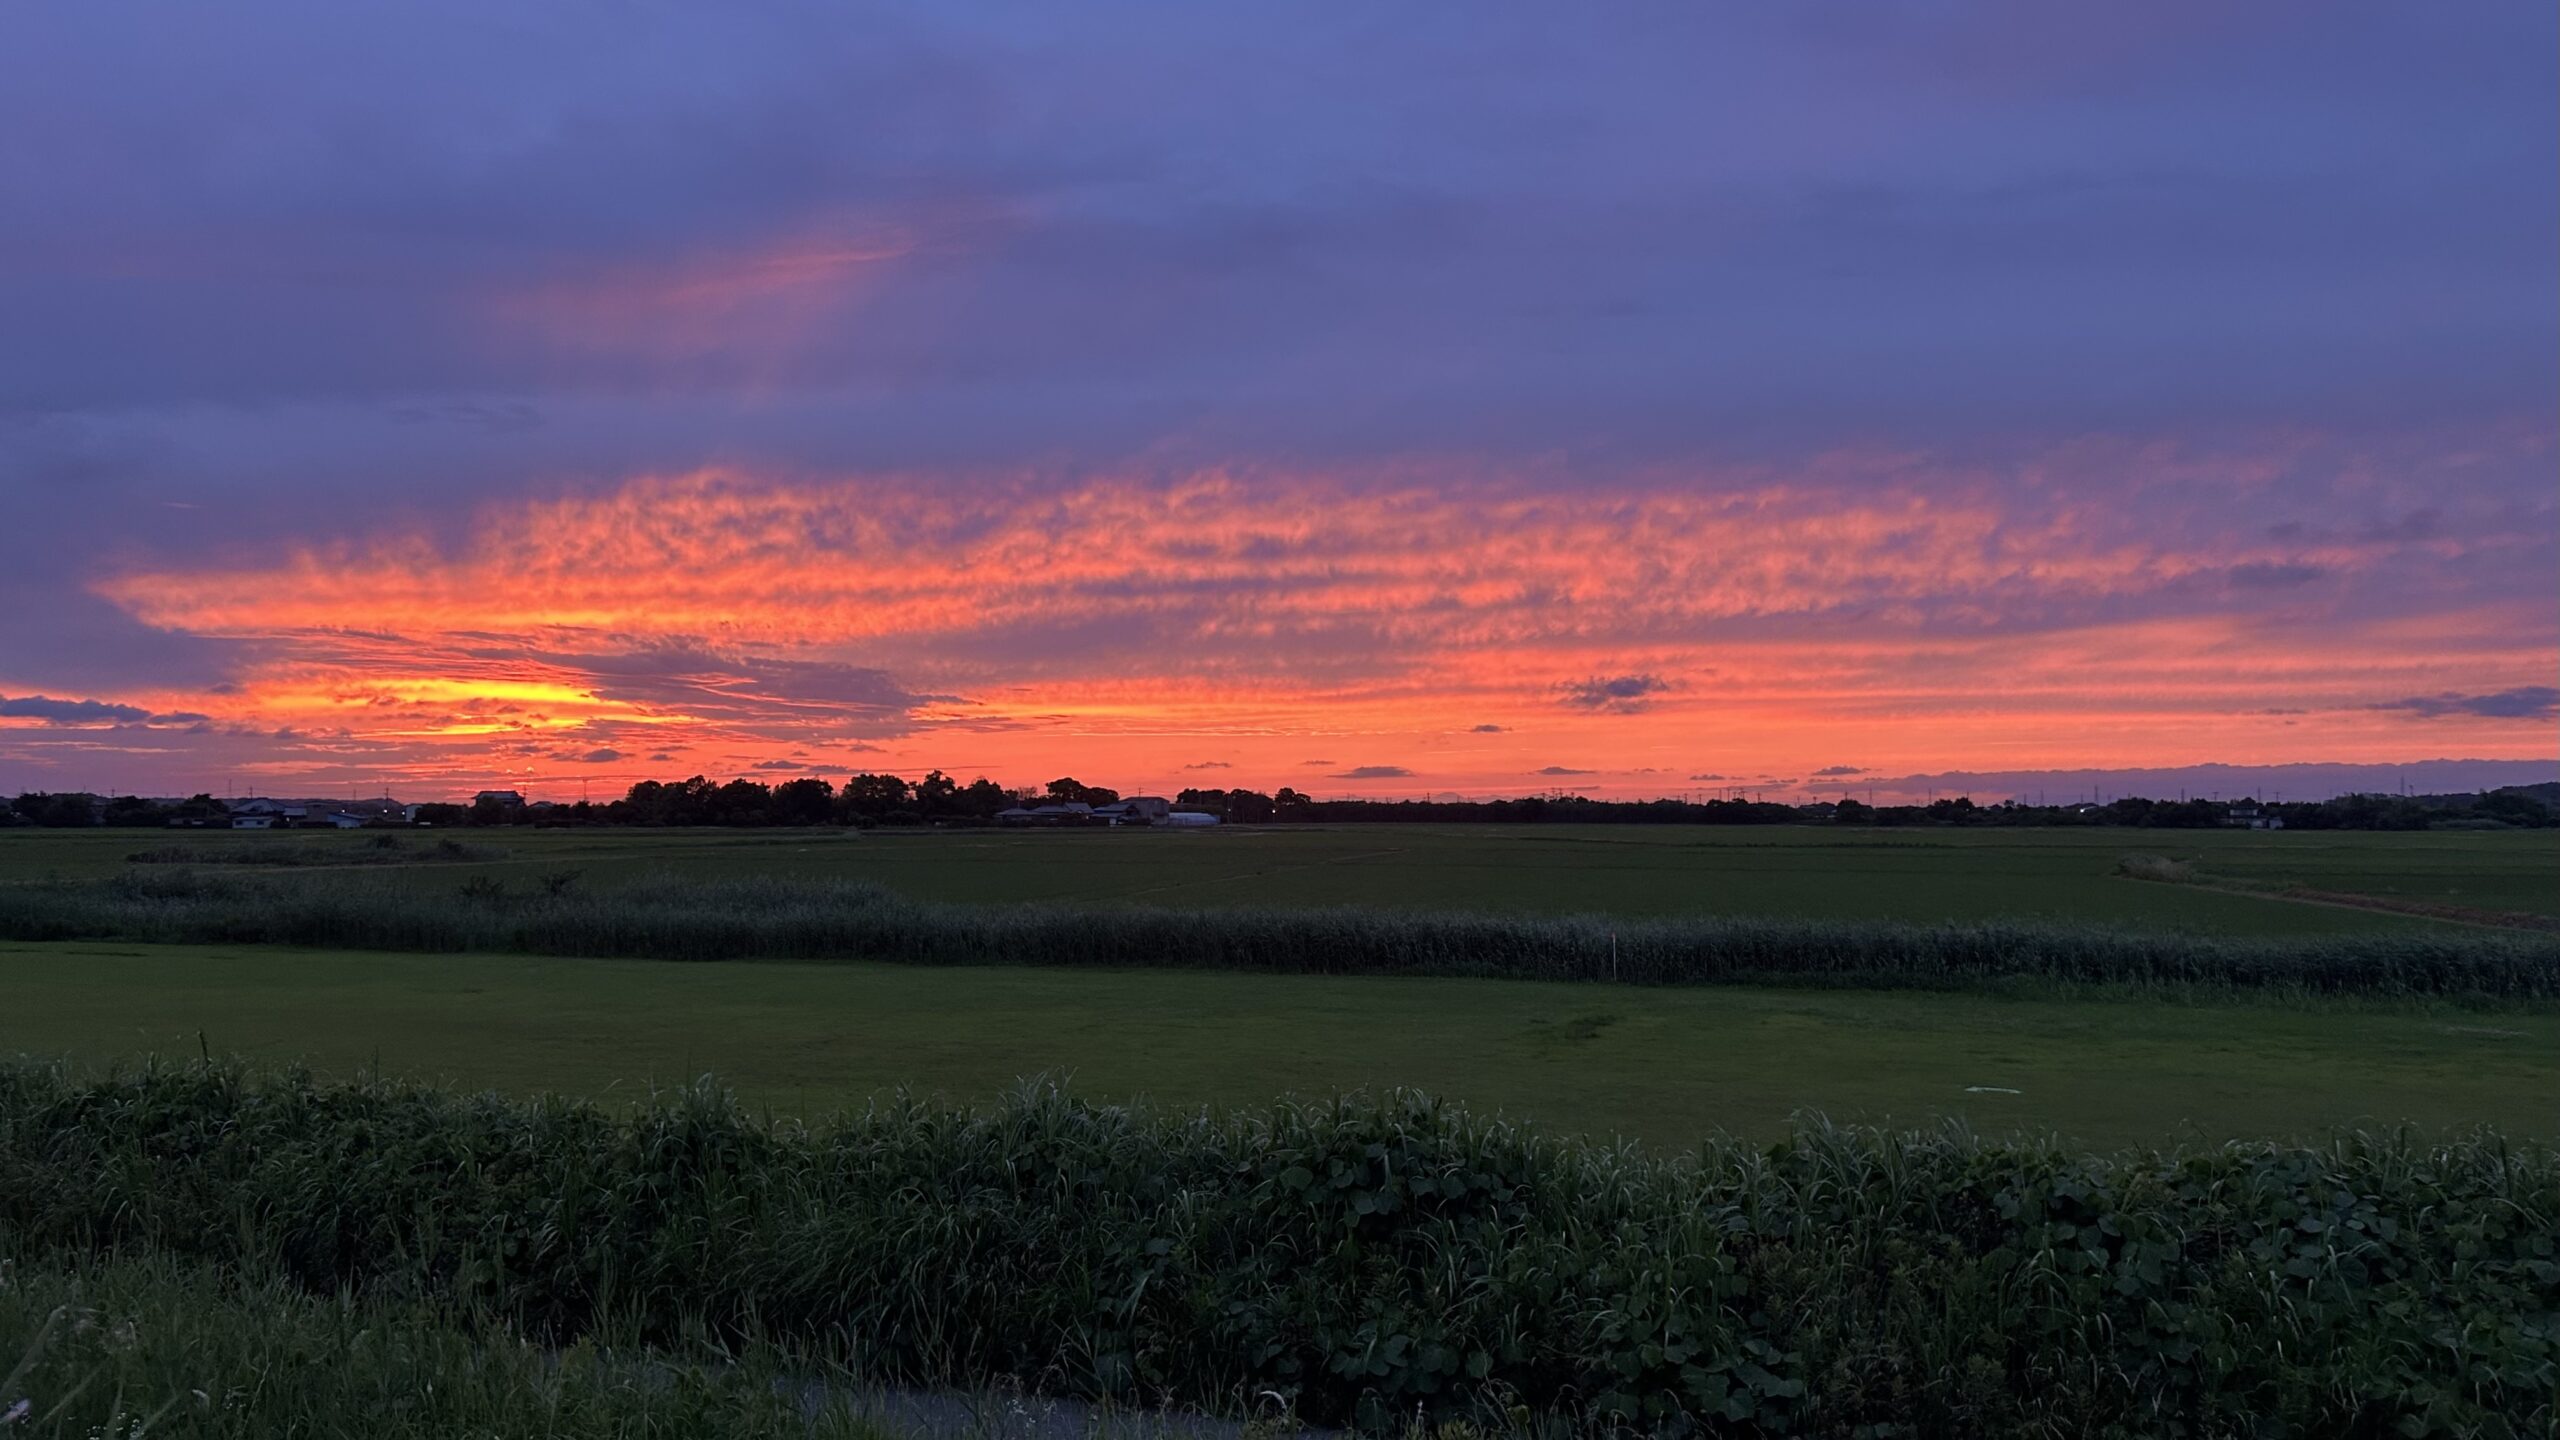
150 1346
673 918
1370 1258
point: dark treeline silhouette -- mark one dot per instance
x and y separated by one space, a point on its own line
938 799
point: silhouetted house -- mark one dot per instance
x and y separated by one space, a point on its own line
499 797
1074 812
1136 810
269 814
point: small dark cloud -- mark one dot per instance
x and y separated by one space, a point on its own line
1374 772
70 712
662 755
2271 575
1841 770
780 765
2280 710
603 755
1484 729
1710 777
2525 702
1210 765
1616 694
1319 762
1563 770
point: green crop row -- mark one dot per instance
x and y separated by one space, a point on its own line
823 921
673 918
1365 1261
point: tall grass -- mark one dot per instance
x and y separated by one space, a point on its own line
1368 1259
674 918
144 1346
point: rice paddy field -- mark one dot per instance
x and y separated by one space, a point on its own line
1921 876
1666 1066
1663 1066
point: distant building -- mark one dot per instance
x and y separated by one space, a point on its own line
1136 810
1074 812
341 820
499 797
2252 819
276 813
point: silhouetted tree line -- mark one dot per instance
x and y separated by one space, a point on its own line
937 799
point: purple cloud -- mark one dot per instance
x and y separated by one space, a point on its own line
81 712
1615 694
2524 702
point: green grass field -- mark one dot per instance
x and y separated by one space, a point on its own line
1666 1066
1913 875
1663 1065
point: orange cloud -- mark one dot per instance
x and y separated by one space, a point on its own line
1469 637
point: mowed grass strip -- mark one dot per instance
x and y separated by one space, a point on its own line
1665 1066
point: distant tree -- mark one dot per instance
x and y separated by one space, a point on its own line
803 802
1066 791
2514 807
134 810
873 797
983 798
742 802
442 816
685 802
200 809
1852 812
64 811
937 794
1248 807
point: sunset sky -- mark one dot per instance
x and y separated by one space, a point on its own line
1387 400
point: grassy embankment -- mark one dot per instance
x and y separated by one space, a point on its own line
1365 1261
